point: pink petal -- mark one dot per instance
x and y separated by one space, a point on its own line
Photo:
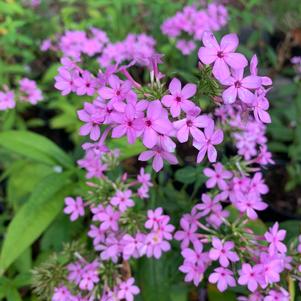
251 82
209 40
229 42
189 90
220 69
230 95
157 163
207 55
236 60
245 95
212 153
175 86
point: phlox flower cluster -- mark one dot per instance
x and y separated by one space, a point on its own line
242 257
95 43
187 26
28 91
249 92
118 233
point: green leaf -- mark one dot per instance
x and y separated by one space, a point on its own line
293 229
45 202
127 150
153 280
215 295
186 175
35 147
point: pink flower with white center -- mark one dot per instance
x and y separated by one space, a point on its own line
223 55
179 98
155 245
275 237
250 276
117 93
206 143
156 122
7 100
154 217
128 124
248 203
187 234
159 154
127 290
208 204
191 125
85 84
65 81
239 87
109 219
93 117
122 200
223 277
61 294
217 176
133 247
222 251
75 207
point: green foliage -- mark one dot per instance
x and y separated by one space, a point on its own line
35 147
45 202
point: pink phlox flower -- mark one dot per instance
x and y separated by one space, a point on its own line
122 200
275 295
223 56
257 184
85 84
144 178
65 80
223 277
128 124
260 106
250 276
191 125
133 246
239 87
75 272
206 143
208 204
89 276
7 100
179 98
265 81
248 203
156 245
154 217
97 234
159 154
62 294
217 176
74 207
275 237
117 92
109 219
187 234
222 251
127 290
93 118
111 248
156 122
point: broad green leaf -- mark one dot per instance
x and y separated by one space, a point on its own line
45 202
153 280
35 147
126 150
186 175
215 295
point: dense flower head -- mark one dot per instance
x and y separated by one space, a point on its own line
192 21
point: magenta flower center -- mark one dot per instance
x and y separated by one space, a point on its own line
129 123
118 92
237 84
148 122
189 123
178 99
220 54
